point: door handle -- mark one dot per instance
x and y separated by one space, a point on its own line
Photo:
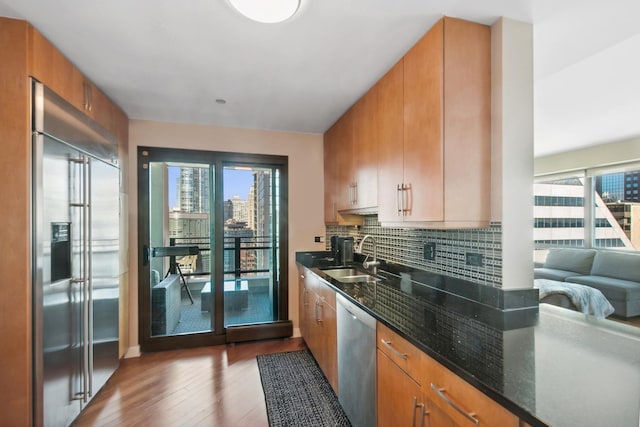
145 255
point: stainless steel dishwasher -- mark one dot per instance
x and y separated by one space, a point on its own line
356 363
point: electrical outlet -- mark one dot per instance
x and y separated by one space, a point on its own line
474 259
318 239
430 251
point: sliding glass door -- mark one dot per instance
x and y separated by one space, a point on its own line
211 228
250 244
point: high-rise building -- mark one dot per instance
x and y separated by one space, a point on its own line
193 190
631 186
628 217
236 209
189 224
262 216
611 187
619 187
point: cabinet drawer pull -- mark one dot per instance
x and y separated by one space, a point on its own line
390 347
471 416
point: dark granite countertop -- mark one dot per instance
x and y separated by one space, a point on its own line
548 365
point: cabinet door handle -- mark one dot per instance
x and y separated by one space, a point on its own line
390 347
406 199
319 309
471 416
417 405
355 193
399 198
304 297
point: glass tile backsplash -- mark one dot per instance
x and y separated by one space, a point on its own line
406 247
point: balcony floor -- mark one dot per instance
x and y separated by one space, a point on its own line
192 319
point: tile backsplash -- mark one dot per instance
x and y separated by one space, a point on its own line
406 247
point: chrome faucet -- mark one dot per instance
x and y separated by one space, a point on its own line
374 263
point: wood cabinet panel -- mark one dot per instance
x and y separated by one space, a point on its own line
447 390
389 121
446 131
331 148
423 136
364 152
467 120
343 158
399 396
318 323
402 352
337 180
55 71
15 305
436 417
49 66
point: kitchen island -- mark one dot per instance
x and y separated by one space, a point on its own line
547 365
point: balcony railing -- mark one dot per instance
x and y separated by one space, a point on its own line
242 255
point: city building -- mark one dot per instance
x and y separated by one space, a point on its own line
559 218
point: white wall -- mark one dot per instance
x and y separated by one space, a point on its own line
306 187
512 147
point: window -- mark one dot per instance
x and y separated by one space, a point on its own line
599 209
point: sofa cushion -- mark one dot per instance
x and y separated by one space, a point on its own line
568 259
620 265
552 274
613 289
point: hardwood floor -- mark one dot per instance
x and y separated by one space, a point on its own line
207 386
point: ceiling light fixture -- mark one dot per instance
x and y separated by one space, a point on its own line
267 11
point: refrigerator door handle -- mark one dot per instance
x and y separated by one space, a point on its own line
89 285
86 243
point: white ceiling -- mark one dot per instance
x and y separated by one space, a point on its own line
169 60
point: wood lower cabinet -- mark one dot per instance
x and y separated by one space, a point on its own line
400 399
460 401
318 323
415 390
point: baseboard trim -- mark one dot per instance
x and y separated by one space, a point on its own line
132 352
279 329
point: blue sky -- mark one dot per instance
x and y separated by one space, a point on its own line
236 182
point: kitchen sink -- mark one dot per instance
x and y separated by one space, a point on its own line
350 275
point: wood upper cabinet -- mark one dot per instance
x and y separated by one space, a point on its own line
49 66
337 141
318 323
446 144
390 143
351 163
364 152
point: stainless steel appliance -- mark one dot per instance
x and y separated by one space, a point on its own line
76 240
356 363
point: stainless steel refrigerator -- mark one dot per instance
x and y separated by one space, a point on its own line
76 240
